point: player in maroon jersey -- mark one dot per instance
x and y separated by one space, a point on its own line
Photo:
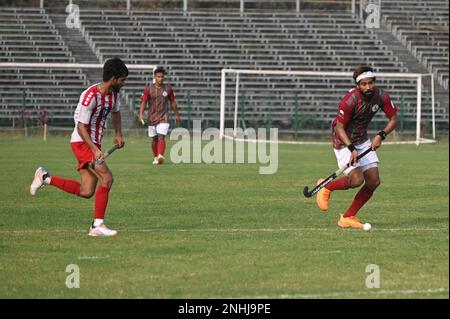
156 97
350 138
90 116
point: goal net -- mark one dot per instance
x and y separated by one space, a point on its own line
33 93
302 104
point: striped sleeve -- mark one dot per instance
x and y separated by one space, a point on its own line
86 106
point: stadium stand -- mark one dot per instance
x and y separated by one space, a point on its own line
423 27
28 35
195 46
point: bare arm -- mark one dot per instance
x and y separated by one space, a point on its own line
142 110
340 130
82 130
175 110
117 121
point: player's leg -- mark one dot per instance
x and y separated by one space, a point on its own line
42 177
154 136
369 168
155 149
84 156
88 183
353 178
162 129
105 181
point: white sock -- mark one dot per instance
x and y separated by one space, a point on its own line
98 222
47 180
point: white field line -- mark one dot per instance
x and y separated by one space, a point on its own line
349 293
92 257
223 230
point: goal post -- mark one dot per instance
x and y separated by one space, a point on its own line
29 88
264 94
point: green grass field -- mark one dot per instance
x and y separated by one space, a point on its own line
223 230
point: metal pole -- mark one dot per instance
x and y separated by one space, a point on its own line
41 4
189 101
128 5
432 107
242 6
236 99
296 115
297 6
222 104
353 6
419 107
185 5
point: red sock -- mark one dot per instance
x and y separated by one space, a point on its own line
101 201
339 184
67 185
361 198
155 148
161 146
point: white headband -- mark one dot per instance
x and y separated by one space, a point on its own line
364 75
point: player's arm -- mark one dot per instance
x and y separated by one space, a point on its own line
117 122
343 118
390 110
175 110
82 130
174 105
87 104
142 108
340 131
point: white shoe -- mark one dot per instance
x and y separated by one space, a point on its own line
39 180
155 161
161 159
102 231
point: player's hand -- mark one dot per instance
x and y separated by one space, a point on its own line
98 155
376 142
118 140
177 119
141 119
353 157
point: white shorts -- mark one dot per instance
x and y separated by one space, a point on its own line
368 161
161 128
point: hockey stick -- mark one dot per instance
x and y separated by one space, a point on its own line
105 155
332 176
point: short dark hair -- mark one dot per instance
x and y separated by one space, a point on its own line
159 69
360 70
114 68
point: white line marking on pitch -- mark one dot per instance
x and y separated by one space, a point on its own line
92 257
350 293
223 230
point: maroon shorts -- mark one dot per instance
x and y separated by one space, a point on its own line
83 153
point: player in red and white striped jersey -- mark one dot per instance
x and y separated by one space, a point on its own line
350 138
156 98
90 123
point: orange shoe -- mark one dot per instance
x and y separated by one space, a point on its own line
352 221
323 197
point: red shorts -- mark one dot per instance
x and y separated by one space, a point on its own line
83 153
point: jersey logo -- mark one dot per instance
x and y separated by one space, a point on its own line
375 108
164 93
341 113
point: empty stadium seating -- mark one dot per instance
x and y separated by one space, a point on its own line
28 35
423 27
195 46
